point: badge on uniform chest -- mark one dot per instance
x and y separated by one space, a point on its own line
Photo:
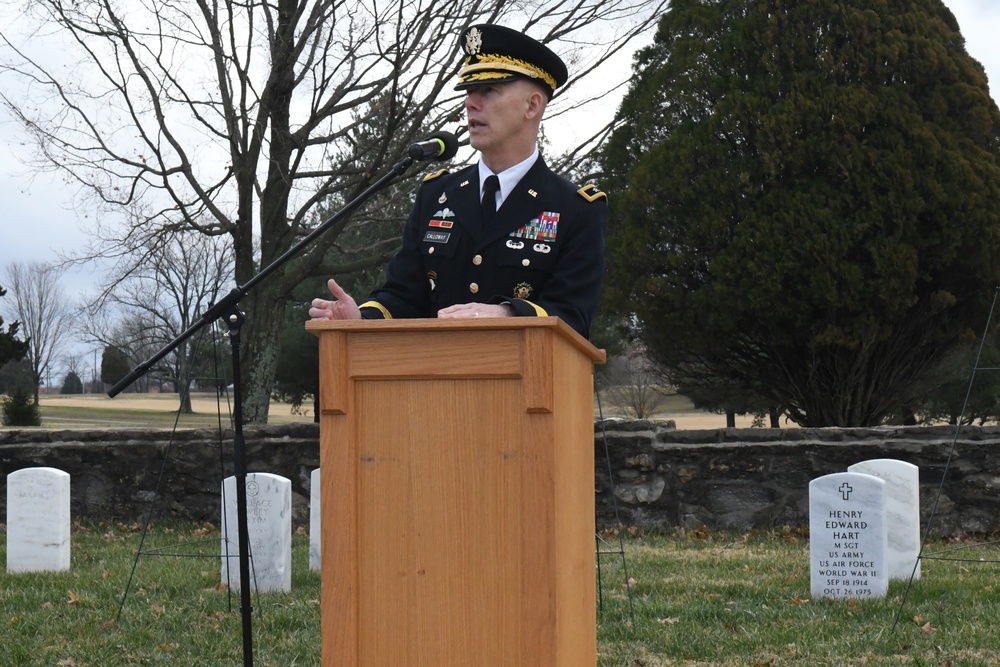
436 237
542 228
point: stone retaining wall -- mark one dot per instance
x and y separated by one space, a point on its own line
759 478
117 474
725 478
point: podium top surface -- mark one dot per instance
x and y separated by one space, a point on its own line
558 327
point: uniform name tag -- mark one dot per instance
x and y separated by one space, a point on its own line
436 237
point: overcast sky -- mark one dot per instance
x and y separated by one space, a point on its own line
38 220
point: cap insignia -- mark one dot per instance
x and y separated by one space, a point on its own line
473 41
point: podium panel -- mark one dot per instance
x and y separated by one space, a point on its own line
458 500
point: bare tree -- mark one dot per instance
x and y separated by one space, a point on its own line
135 337
165 293
40 305
223 117
634 382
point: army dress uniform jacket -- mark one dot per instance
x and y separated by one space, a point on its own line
543 252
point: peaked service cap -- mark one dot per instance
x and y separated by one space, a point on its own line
495 54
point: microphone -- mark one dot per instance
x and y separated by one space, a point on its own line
439 146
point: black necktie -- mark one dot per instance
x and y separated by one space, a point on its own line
490 188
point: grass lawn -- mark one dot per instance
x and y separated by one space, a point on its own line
156 411
159 411
700 599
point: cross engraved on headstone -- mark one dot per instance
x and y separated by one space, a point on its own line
845 490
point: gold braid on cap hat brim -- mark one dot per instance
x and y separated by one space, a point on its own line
489 63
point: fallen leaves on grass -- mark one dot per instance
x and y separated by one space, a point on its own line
925 625
788 536
795 576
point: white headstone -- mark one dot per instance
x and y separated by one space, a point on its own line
902 513
269 526
314 521
847 540
38 520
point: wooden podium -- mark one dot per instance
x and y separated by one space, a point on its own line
457 475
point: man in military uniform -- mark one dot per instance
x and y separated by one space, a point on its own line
506 237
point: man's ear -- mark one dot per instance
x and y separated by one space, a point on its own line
536 103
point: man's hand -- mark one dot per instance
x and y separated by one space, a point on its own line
476 310
343 307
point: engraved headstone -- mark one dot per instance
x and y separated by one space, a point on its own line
38 520
314 521
847 540
902 513
269 528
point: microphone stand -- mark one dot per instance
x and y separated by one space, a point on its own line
228 308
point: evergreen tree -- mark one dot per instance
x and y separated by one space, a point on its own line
297 376
72 384
14 373
19 407
806 200
114 364
11 349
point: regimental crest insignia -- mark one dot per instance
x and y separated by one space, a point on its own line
523 290
473 42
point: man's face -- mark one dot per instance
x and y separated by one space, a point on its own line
497 113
